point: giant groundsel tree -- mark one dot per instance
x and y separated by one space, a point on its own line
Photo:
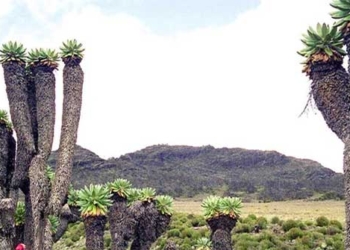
30 86
330 86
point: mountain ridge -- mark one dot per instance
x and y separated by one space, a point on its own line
188 171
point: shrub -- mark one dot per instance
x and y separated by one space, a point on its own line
243 228
262 222
322 221
174 233
252 216
275 220
336 223
332 230
287 225
294 233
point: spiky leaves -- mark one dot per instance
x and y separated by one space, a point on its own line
43 57
54 223
164 204
72 51
50 173
214 206
4 119
147 194
120 187
203 244
94 200
73 197
321 45
341 14
13 52
20 213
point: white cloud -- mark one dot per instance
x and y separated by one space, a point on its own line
238 85
5 7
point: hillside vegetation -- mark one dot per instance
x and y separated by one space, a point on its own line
185 171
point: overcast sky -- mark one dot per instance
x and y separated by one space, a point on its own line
199 72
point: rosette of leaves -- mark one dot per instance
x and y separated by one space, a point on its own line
54 223
43 57
147 194
211 207
203 244
230 206
13 52
164 204
4 119
321 45
133 195
20 213
94 200
120 187
342 13
73 196
50 173
72 50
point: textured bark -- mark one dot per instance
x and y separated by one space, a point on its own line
45 108
145 214
221 228
73 78
28 223
119 221
17 94
163 222
346 168
221 240
331 92
32 106
39 191
4 155
7 223
94 230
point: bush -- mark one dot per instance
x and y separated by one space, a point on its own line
336 223
287 225
294 233
332 230
262 222
275 220
322 221
174 233
243 228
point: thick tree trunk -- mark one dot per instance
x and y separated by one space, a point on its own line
139 244
119 221
73 78
39 191
346 168
94 230
7 231
331 92
17 94
221 228
19 238
45 108
28 223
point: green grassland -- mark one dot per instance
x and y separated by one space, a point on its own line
284 225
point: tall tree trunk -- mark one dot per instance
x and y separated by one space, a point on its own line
7 231
119 221
45 82
94 231
346 167
73 78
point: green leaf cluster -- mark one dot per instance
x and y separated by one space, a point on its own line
13 52
203 244
4 118
72 197
43 57
50 173
120 187
342 12
54 223
133 195
71 48
94 200
164 204
20 213
214 206
147 194
325 39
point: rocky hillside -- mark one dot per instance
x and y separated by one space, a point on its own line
188 171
